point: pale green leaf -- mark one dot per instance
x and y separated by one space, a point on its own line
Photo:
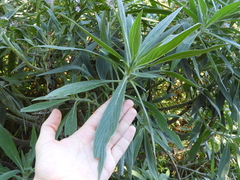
71 121
108 124
150 156
227 40
42 105
224 165
75 88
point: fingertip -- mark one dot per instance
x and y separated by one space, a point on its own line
50 126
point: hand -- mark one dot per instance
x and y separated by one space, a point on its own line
72 158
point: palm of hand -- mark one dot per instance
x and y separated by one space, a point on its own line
72 157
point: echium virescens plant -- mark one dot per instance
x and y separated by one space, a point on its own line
138 55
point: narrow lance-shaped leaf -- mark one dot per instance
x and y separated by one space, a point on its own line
150 156
135 36
101 43
9 148
63 48
159 51
9 174
75 88
223 12
202 11
42 105
153 36
71 121
184 54
162 124
173 74
108 124
224 165
123 20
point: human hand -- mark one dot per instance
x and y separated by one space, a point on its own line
72 158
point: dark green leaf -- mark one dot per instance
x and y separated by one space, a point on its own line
101 43
65 68
9 148
162 124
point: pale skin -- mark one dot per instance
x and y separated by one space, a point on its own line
72 157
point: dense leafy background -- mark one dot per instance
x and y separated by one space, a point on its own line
177 60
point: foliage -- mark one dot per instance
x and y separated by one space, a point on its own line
177 60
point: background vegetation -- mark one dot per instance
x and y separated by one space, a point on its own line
177 60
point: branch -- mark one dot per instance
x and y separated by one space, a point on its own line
177 106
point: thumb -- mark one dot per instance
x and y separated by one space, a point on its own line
50 126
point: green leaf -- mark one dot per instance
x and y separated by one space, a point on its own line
71 121
42 105
224 165
180 77
153 37
150 156
101 43
75 88
65 68
108 124
135 38
8 175
222 13
157 52
193 151
125 29
9 148
203 11
227 40
162 124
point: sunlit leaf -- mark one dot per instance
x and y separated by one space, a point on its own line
226 10
135 38
157 52
153 37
